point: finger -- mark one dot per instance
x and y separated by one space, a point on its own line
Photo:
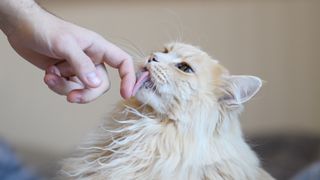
128 78
65 69
60 85
80 62
53 70
89 94
75 79
117 58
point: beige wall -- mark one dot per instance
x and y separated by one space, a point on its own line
276 40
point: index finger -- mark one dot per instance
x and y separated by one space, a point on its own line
117 58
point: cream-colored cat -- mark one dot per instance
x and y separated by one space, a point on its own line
182 124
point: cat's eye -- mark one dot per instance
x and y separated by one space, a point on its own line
184 67
166 50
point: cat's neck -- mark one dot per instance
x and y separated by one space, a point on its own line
199 118
205 139
141 143
201 128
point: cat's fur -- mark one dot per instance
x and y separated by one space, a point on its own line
183 127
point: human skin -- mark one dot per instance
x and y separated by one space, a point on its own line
73 57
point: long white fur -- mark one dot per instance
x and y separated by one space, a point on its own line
205 142
143 148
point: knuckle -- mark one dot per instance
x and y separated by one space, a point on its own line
84 66
60 42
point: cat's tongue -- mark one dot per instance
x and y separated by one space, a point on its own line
141 79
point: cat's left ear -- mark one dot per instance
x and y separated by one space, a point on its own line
240 89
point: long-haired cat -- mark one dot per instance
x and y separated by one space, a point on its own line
182 124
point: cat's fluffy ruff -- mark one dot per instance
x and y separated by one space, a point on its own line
185 129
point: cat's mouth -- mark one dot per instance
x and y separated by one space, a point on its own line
143 80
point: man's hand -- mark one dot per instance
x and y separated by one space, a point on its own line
73 57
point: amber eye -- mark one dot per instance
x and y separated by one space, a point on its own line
184 67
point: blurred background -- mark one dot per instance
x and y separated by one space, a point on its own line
277 40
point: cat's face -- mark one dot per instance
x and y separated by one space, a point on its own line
171 80
175 76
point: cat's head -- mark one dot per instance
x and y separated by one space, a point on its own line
178 78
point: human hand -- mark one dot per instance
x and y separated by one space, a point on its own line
60 79
44 40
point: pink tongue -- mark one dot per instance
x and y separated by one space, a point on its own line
143 78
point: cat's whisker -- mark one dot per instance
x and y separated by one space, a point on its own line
168 34
180 30
135 55
132 52
133 47
177 26
130 49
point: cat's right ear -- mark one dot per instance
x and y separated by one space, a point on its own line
239 89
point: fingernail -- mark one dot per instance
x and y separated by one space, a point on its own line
51 82
93 78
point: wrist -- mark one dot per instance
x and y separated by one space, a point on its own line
17 15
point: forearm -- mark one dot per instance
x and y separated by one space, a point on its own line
16 14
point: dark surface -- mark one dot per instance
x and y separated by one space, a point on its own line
285 156
10 166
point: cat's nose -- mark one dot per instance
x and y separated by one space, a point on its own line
153 58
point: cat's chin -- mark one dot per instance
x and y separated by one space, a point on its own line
147 95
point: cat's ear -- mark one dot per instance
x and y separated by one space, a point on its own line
240 89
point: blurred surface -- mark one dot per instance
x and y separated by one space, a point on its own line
276 40
284 156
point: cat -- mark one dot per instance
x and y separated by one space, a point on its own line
181 124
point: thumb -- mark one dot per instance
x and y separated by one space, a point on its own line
81 63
